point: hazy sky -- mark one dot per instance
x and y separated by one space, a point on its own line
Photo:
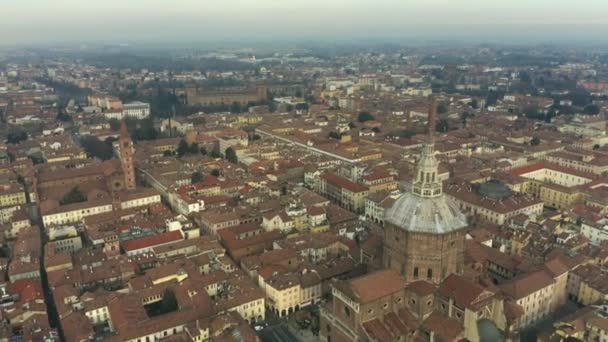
48 21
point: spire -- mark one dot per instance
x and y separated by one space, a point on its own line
427 183
432 119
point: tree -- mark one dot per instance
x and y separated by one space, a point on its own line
231 155
167 153
442 126
442 108
182 148
236 108
532 112
146 130
580 97
96 148
204 150
215 173
365 116
196 177
335 135
492 98
61 116
193 148
535 141
474 104
16 137
407 133
591 109
73 196
596 147
215 154
114 124
524 77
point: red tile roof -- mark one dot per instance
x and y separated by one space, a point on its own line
151 241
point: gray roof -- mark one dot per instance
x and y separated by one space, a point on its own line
435 215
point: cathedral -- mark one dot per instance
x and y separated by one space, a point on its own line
424 235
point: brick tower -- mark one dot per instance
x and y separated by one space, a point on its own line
126 157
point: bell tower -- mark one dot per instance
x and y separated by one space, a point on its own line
126 157
427 183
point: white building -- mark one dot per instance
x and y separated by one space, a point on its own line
595 232
137 110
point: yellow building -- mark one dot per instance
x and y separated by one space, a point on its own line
288 292
344 192
555 185
12 194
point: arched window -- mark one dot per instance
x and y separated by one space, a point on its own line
416 272
429 274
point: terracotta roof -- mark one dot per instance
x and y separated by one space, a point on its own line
367 287
343 182
527 284
151 241
463 291
422 288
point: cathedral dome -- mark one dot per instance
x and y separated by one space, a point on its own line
434 215
426 209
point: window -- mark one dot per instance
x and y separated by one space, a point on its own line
429 274
385 306
416 272
347 311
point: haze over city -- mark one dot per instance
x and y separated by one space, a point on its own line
154 21
304 170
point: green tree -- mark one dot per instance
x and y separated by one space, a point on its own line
215 173
73 196
146 130
203 150
96 148
63 117
442 108
535 141
591 109
236 108
182 148
365 116
114 124
16 137
231 155
193 148
474 104
493 98
196 177
442 126
335 135
407 133
215 154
